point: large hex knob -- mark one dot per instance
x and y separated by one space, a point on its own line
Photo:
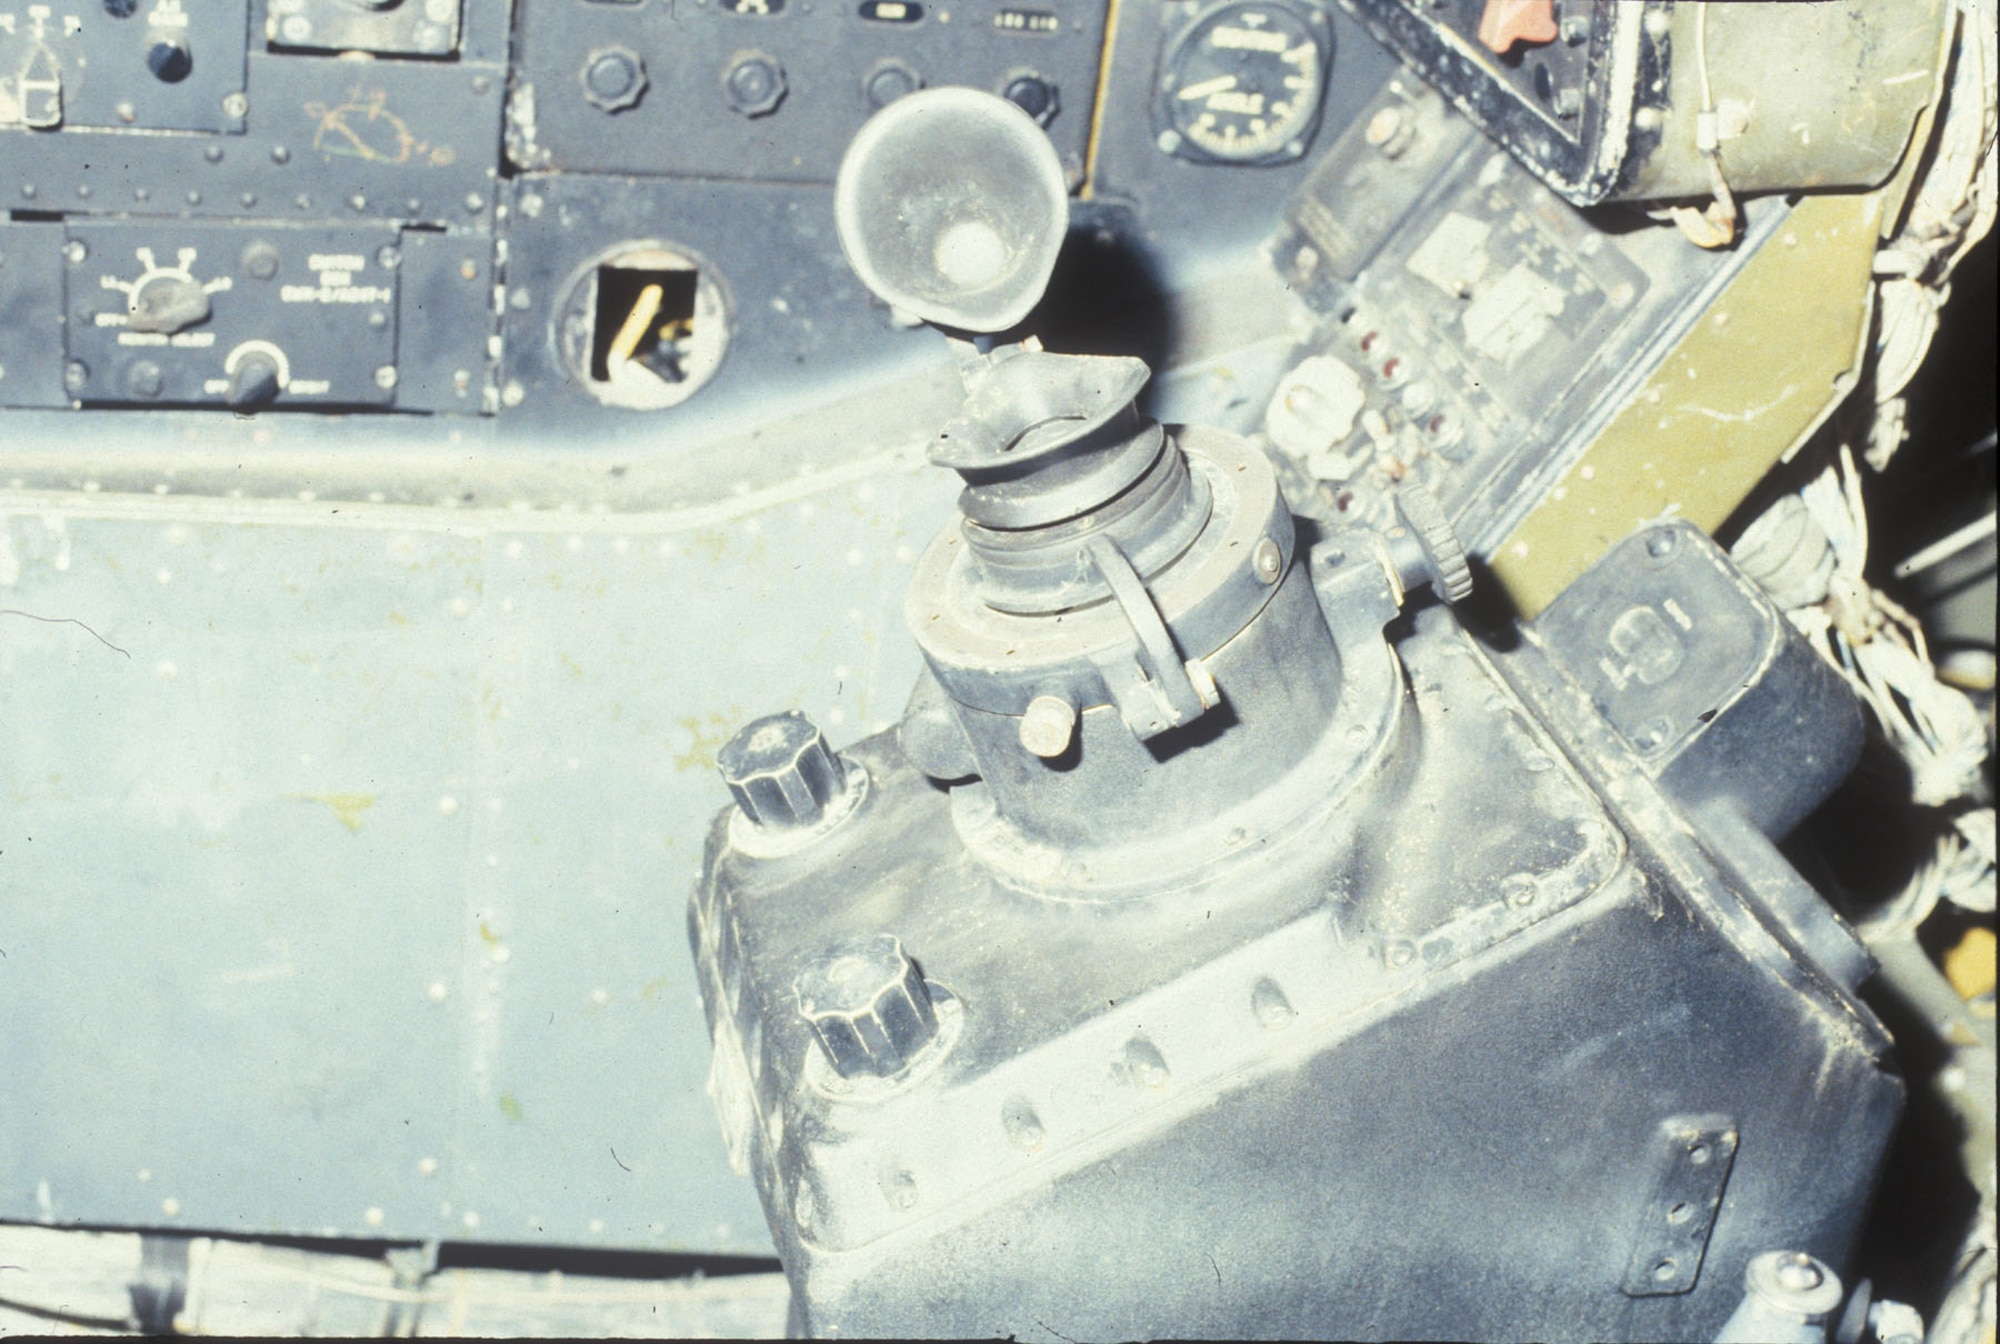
868 1005
781 772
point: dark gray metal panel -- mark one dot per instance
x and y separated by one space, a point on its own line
323 302
169 67
341 879
683 122
323 138
445 321
31 315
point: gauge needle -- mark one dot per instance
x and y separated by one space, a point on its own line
626 344
1220 84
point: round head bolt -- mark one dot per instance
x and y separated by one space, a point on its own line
781 772
868 1005
1787 1298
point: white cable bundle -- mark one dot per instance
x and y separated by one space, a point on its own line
1969 876
1879 648
1958 871
1951 208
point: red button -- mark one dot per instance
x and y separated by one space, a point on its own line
1506 22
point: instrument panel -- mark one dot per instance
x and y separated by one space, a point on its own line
288 208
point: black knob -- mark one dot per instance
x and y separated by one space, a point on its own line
1033 95
254 382
889 81
169 58
781 771
145 379
869 1006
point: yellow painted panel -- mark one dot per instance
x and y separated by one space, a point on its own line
1762 368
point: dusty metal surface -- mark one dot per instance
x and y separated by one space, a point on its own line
94 1282
460 1005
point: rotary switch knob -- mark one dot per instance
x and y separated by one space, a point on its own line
255 381
781 772
1428 547
166 304
869 1006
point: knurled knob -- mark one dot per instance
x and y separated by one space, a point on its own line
1444 562
867 1003
781 771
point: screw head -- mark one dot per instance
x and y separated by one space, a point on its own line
868 1006
781 772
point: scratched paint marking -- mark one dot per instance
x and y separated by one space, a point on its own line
364 128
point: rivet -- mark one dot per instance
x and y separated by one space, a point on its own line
1143 1066
1272 1008
901 1188
1023 1126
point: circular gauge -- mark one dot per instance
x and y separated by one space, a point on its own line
1242 83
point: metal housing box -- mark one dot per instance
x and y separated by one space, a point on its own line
1388 1072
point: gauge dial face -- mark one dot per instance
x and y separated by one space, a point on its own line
1244 83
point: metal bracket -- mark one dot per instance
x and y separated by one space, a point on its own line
1692 1155
1158 689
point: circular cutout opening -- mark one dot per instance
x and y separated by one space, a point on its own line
643 327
